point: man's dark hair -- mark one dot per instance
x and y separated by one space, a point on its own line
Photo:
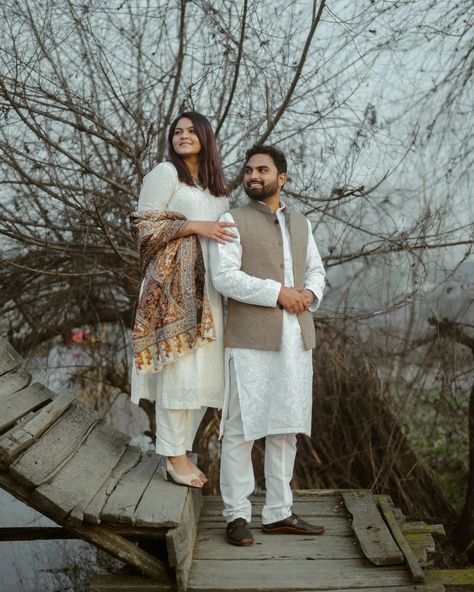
277 155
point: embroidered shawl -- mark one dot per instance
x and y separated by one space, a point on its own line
174 315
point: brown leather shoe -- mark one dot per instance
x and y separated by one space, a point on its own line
238 533
292 525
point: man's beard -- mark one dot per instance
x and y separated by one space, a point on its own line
261 192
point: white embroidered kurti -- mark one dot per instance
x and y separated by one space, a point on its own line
274 388
197 380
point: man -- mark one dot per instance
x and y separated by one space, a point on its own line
273 278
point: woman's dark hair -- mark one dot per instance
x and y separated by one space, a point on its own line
277 155
211 175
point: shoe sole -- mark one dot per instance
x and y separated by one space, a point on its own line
290 530
242 543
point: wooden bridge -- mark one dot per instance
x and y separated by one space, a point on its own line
61 458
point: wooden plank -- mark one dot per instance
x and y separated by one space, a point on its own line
291 575
128 460
212 544
307 508
411 588
100 536
127 583
411 561
121 503
335 525
414 527
459 579
14 381
9 358
28 432
74 486
40 462
180 540
371 531
162 503
15 405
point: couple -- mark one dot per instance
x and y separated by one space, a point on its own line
262 257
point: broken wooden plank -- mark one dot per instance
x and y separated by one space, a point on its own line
15 405
74 486
415 527
14 381
371 531
28 432
40 462
180 540
9 358
161 504
121 503
100 536
128 460
411 561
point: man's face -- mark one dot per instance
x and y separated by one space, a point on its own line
261 178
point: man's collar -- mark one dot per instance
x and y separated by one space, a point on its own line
263 207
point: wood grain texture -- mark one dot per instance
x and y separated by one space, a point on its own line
40 462
127 583
14 381
128 460
371 531
411 561
9 358
74 486
180 540
15 405
291 575
28 432
122 502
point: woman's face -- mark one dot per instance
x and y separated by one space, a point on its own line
186 144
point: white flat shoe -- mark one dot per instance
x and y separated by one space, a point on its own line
169 474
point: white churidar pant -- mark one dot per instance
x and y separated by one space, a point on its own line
237 480
176 430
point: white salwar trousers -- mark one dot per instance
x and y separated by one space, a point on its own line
237 480
176 429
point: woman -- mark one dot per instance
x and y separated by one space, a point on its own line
188 194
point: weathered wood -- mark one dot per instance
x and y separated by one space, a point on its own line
371 531
162 503
40 462
28 432
435 587
291 575
121 503
128 460
74 486
335 525
331 506
212 544
180 540
414 527
127 583
9 358
456 579
13 382
100 536
15 405
411 561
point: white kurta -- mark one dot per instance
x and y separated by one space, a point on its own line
274 387
197 380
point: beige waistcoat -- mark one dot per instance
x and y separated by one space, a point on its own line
260 327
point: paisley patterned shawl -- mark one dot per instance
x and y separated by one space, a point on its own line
174 315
